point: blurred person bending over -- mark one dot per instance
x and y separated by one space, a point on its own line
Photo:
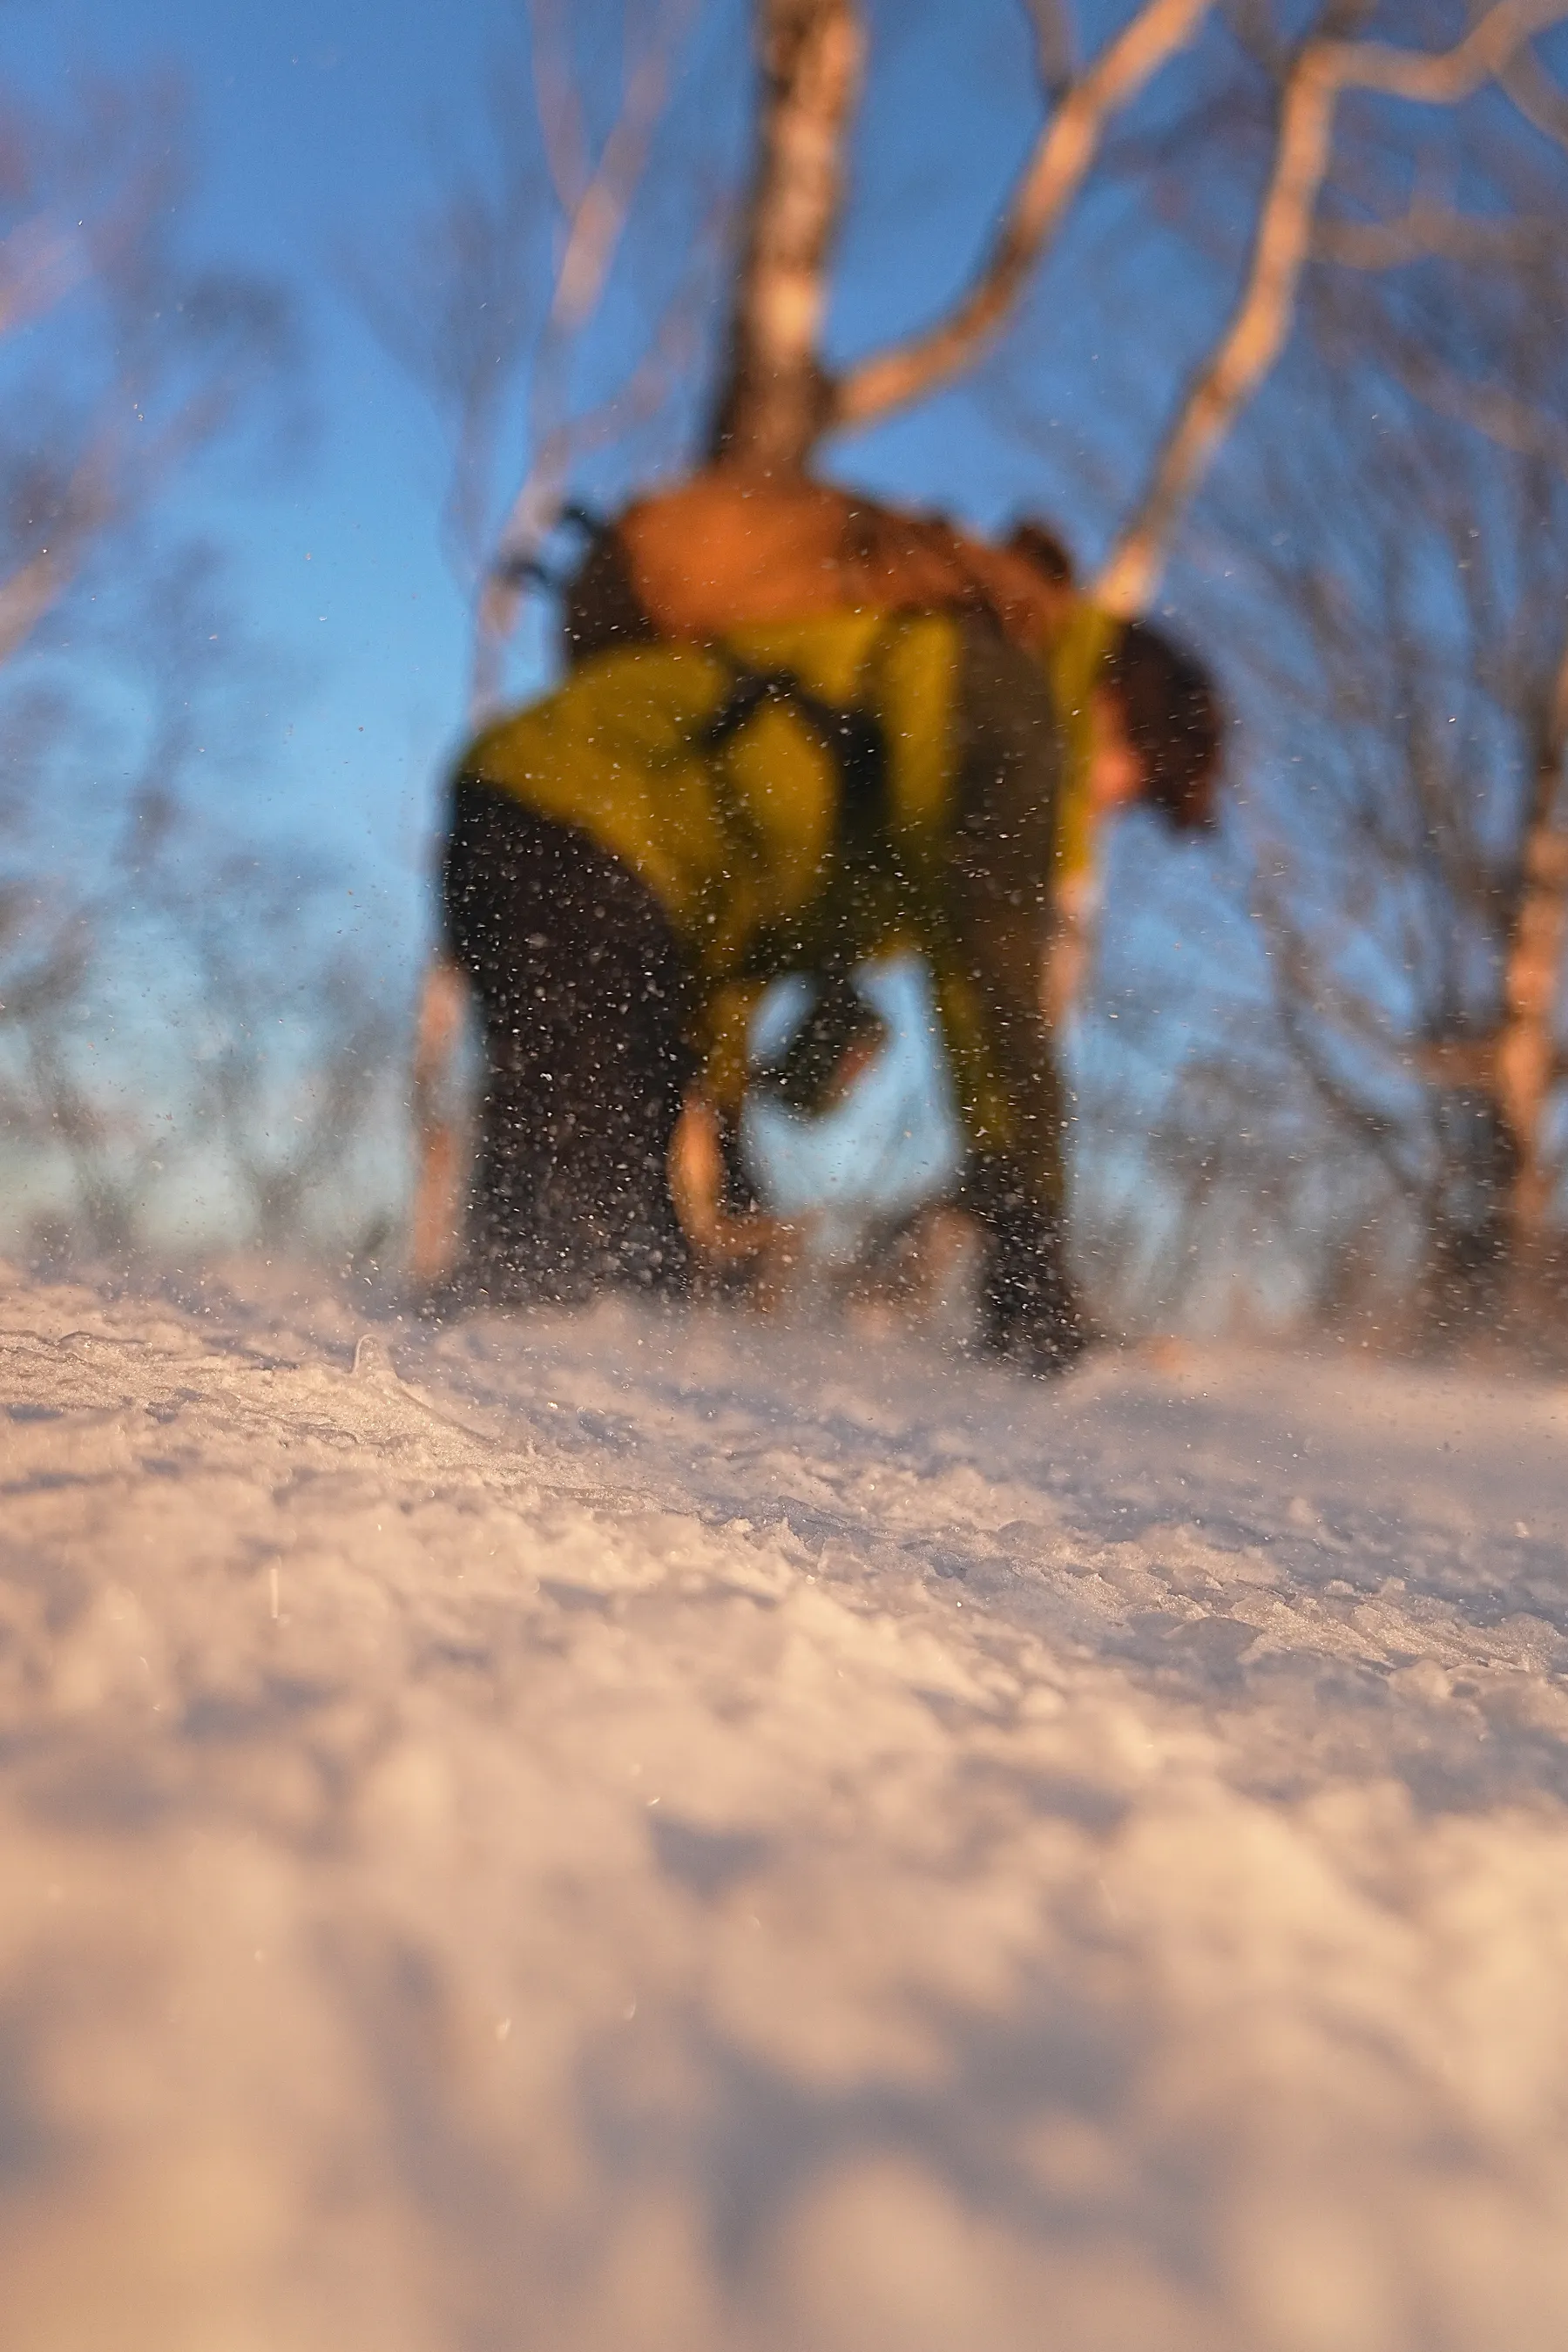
799 733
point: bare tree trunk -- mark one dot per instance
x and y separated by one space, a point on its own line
777 400
1516 1068
1467 1258
1528 1059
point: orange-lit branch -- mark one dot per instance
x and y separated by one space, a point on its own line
1264 313
597 208
1062 159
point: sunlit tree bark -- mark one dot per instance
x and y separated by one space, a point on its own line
1526 1059
775 399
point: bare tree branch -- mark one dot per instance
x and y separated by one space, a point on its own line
1056 47
121 469
536 508
1264 313
1430 230
1442 689
150 361
37 585
595 200
1538 98
1489 409
595 227
558 102
1062 159
596 222
41 261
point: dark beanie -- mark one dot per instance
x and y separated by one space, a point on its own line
1171 714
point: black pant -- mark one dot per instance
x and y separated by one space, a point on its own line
1029 1309
582 992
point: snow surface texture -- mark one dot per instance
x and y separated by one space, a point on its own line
607 1835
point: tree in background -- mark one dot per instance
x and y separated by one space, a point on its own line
123 362
777 400
1414 579
175 1043
1312 119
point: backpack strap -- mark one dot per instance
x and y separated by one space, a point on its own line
854 739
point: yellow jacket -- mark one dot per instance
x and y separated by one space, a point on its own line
766 857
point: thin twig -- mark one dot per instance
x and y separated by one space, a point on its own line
1427 230
594 233
1055 171
1056 47
1265 311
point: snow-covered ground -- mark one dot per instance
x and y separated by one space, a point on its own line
622 1836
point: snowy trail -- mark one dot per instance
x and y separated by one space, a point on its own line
615 1836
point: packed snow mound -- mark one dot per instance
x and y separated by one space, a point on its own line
621 1834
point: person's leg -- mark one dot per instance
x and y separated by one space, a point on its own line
997 888
1015 1183
1029 1306
582 990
